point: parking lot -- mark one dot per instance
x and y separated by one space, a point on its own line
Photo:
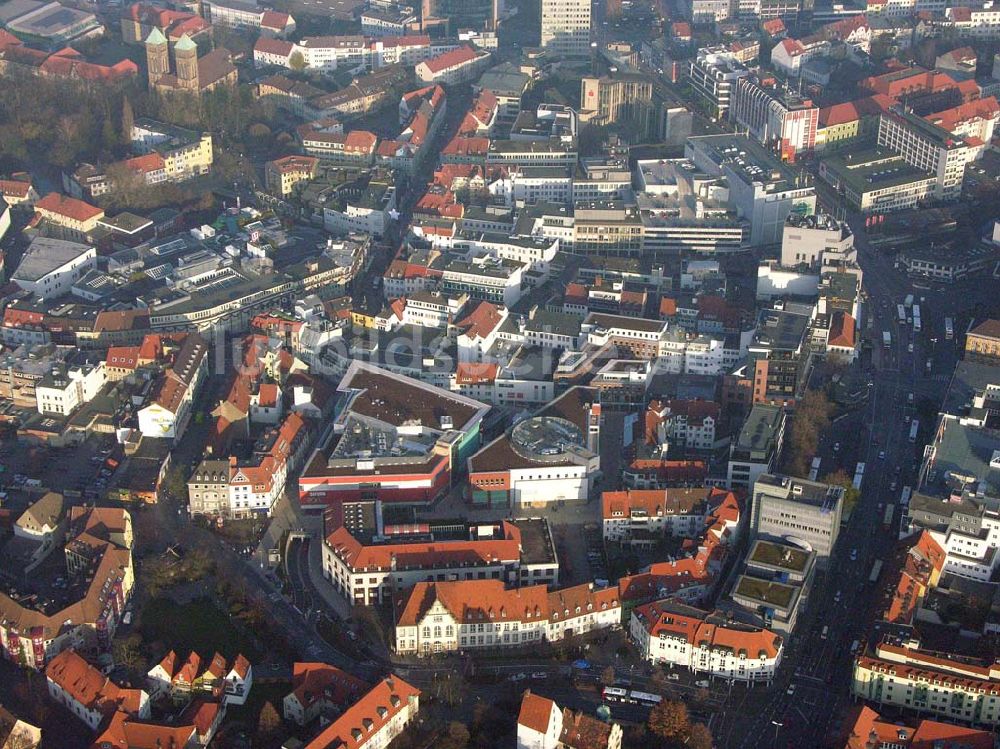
87 468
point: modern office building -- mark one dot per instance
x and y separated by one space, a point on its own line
798 511
714 74
763 189
446 17
686 211
566 27
929 148
781 120
755 451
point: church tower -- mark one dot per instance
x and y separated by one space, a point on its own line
157 57
186 60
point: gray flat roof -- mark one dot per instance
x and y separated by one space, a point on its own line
16 8
760 428
45 255
969 379
962 455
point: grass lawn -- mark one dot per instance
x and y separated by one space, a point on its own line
198 625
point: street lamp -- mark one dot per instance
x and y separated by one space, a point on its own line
777 725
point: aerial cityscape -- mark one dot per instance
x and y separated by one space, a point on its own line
473 374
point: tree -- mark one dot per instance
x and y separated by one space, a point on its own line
175 483
812 417
608 676
700 737
296 61
127 652
842 479
457 737
669 721
128 119
268 724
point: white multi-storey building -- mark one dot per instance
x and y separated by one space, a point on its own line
930 148
777 119
64 389
675 634
50 267
714 74
566 27
443 617
959 689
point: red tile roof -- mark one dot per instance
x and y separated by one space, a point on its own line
792 47
424 554
367 716
122 357
63 205
360 141
267 395
12 188
272 19
700 629
841 330
268 46
451 59
316 681
475 373
774 26
9 40
150 162
536 712
460 146
978 109
481 321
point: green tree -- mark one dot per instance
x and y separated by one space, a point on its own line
296 61
175 482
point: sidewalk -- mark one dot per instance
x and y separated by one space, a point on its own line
314 570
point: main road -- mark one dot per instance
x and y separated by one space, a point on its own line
807 702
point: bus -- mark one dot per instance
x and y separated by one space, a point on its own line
914 428
615 694
904 497
886 339
876 571
901 311
645 698
814 471
630 697
859 475
887 519
949 329
916 318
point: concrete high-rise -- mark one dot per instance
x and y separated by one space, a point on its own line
566 27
